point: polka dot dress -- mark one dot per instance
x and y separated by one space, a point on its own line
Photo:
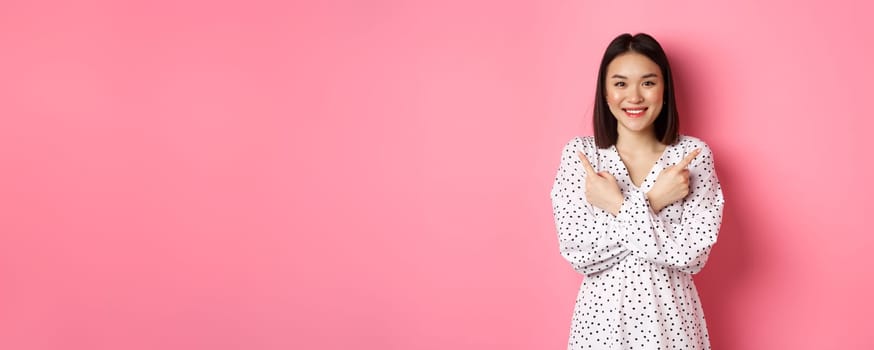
638 291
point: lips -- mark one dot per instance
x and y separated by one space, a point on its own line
634 112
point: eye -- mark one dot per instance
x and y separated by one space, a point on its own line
619 84
649 83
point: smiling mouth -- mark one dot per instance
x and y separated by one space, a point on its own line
634 112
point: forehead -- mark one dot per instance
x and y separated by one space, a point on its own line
632 64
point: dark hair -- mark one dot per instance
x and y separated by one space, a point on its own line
667 123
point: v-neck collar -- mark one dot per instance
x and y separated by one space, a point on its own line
651 172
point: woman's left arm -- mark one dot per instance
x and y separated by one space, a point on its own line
687 244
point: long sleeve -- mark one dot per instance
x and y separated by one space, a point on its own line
685 245
589 242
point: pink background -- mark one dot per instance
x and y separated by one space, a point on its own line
335 175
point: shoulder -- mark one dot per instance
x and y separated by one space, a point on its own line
688 143
580 143
585 144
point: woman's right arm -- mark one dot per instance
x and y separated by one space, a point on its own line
685 245
591 244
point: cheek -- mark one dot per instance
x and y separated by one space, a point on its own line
614 97
657 99
655 94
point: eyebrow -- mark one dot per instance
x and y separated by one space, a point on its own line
650 75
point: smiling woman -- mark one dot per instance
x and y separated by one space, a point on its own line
637 207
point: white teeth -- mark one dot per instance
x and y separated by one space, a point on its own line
634 111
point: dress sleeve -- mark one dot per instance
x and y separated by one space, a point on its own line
590 243
685 245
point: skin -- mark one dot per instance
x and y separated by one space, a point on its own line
634 81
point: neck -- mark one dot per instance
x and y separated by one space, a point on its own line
636 142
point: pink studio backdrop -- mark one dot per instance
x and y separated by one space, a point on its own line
376 175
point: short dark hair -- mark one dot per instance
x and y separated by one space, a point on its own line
667 124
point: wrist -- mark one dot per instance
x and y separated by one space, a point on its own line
617 207
653 202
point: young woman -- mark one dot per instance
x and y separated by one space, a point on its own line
637 208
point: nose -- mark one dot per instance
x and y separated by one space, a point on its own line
635 96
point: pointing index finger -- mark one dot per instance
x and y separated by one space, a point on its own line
688 159
586 164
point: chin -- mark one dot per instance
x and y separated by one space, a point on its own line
638 126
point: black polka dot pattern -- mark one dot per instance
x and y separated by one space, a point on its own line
638 292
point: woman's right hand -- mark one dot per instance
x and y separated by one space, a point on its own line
602 189
672 184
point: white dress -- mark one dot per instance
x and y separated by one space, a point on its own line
638 291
